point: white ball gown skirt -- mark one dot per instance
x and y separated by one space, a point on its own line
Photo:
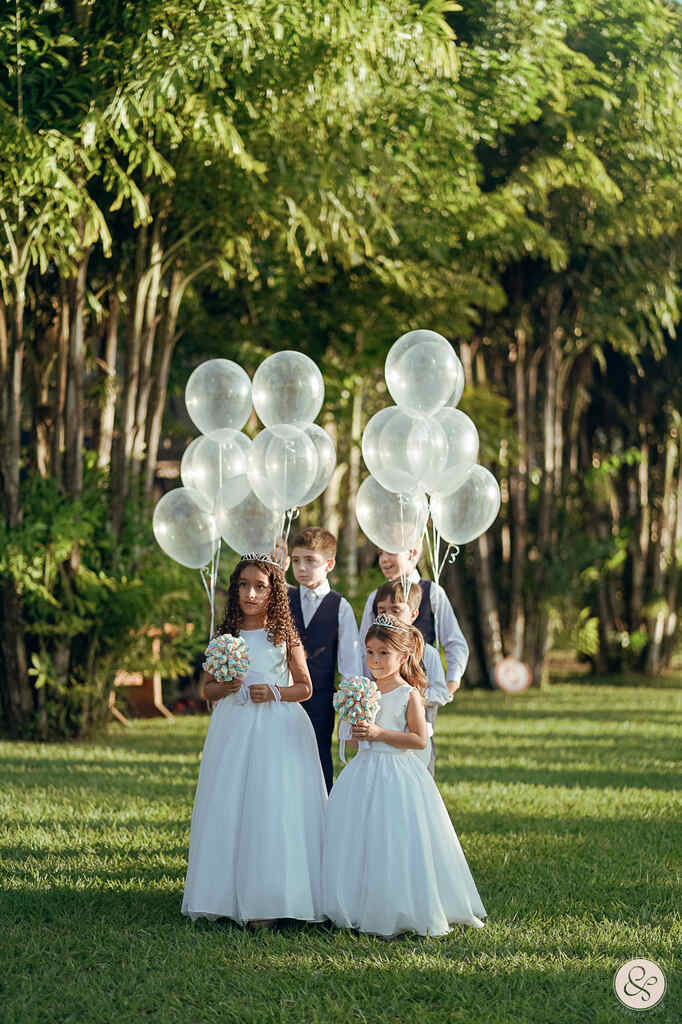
392 860
256 838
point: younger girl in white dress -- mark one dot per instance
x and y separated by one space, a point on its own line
257 824
392 860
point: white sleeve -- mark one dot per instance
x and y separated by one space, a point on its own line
348 655
367 618
449 634
437 692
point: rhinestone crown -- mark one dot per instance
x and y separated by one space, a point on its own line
388 622
263 556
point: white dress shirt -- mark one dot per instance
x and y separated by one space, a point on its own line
449 633
349 662
437 691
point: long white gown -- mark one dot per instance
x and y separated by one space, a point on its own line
392 860
256 838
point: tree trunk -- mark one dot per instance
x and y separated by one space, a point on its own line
451 580
15 688
108 414
147 352
487 599
673 568
518 492
126 439
640 555
59 433
661 554
74 432
168 339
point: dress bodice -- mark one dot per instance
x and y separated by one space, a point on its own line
267 661
391 715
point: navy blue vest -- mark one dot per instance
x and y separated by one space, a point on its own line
424 621
320 639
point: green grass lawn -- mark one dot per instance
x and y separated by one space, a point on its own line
564 801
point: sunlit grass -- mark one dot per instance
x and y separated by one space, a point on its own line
566 805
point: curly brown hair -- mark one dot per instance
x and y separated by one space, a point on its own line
278 621
406 640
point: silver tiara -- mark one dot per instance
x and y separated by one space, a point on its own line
255 556
388 622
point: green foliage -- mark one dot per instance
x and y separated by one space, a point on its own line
88 599
326 177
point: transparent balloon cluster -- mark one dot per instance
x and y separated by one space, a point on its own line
227 657
357 699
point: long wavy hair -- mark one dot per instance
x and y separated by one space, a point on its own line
279 624
406 640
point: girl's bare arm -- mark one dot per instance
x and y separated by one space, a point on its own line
302 688
416 736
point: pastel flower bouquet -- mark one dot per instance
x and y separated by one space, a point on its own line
356 700
227 657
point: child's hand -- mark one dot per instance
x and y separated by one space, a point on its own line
453 686
233 686
261 694
366 731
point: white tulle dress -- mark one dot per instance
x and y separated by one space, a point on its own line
392 860
256 838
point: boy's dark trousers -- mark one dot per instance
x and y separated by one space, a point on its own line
320 641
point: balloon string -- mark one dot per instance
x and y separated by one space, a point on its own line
404 578
203 574
450 555
436 576
209 578
214 579
278 540
289 516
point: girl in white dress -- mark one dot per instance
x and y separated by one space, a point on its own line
392 860
392 600
256 836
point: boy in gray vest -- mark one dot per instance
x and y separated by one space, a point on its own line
327 628
434 605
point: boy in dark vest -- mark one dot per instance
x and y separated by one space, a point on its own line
434 606
327 628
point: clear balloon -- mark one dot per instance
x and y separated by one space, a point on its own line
404 452
326 461
466 514
458 390
394 522
186 471
250 525
462 442
219 467
185 527
288 388
421 371
283 465
218 395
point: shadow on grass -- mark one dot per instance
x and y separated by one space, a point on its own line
152 964
525 865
